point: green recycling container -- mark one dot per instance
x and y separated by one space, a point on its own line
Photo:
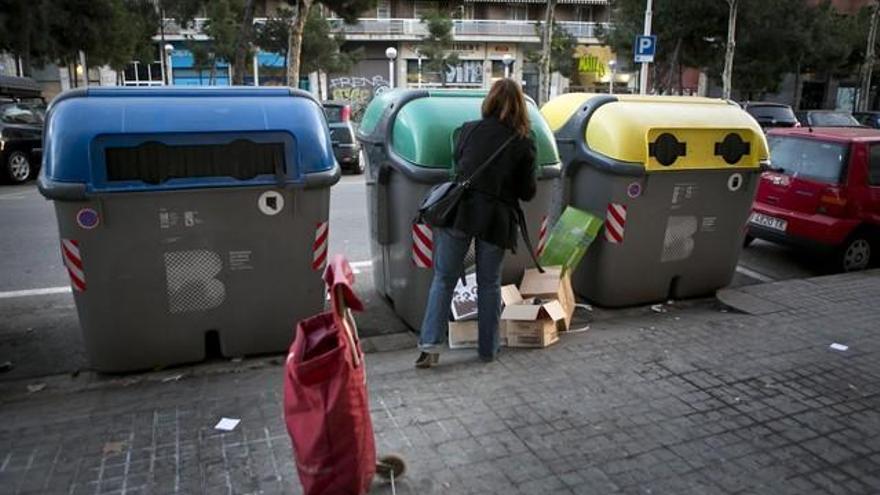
407 138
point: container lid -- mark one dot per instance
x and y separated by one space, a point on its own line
422 124
130 139
661 133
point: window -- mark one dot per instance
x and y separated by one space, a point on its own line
519 12
466 11
585 14
21 113
383 9
422 7
874 166
808 158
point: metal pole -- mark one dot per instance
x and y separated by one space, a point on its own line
391 73
643 74
506 71
420 71
256 68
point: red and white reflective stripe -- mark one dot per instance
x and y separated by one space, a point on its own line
73 262
615 223
423 246
319 248
542 237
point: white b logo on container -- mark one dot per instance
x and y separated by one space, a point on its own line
735 182
271 203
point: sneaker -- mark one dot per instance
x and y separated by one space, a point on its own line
427 359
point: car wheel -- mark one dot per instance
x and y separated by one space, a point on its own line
18 167
749 239
856 253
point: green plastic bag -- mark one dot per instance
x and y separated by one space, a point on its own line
571 236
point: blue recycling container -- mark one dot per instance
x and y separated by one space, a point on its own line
189 218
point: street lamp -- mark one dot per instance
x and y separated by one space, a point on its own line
391 53
507 59
169 48
612 64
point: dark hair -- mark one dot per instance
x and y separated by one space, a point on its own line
507 103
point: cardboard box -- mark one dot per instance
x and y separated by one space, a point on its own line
464 334
554 283
531 324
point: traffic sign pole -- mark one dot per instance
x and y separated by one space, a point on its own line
643 75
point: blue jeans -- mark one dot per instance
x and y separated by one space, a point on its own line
450 248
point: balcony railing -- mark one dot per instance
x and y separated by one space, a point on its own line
461 28
415 29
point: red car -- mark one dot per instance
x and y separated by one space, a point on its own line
823 192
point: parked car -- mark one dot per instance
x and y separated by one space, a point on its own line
21 132
770 115
345 147
870 119
823 193
827 118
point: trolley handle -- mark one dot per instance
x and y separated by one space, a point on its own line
344 320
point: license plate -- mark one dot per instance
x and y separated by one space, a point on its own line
769 222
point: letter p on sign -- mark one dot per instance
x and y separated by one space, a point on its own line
645 47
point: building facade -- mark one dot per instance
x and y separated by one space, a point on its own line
490 36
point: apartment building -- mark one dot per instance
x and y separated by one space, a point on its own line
486 32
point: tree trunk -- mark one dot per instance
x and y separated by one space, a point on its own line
295 42
213 72
162 55
868 66
245 33
731 47
798 87
546 40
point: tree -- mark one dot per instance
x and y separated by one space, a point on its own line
436 47
23 31
686 30
321 49
349 10
730 48
242 42
562 52
544 66
223 26
274 34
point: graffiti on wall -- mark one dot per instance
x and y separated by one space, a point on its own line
356 90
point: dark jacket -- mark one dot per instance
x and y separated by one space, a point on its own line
487 210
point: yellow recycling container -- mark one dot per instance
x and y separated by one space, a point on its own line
674 178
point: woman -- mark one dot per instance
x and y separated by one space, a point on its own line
486 214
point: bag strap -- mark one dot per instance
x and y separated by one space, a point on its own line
489 160
524 231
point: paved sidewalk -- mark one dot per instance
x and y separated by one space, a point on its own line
698 400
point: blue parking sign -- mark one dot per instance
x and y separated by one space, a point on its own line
645 48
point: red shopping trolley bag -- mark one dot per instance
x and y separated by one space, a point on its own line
326 407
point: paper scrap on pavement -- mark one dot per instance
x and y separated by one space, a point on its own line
839 347
227 424
36 387
658 308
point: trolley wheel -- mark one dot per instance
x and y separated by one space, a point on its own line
390 464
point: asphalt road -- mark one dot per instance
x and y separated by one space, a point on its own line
38 327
